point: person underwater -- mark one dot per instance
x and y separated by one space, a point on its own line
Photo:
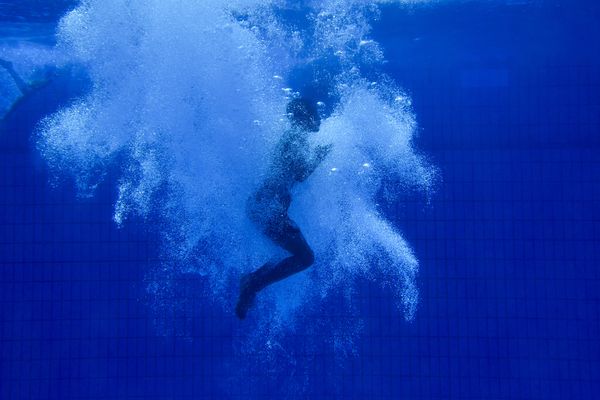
293 161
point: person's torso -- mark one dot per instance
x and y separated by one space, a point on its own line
289 166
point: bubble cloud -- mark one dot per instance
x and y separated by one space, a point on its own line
188 98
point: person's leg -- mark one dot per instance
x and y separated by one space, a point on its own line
291 239
302 257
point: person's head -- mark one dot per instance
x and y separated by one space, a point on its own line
304 114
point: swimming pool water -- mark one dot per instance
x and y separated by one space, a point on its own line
505 95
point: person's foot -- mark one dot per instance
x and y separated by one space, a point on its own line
247 295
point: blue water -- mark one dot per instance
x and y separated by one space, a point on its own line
495 193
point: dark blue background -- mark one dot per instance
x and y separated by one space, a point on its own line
508 101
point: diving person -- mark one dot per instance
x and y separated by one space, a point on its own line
293 161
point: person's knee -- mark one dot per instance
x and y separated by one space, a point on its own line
307 258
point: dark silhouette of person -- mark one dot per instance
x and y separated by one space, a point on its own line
8 66
293 161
